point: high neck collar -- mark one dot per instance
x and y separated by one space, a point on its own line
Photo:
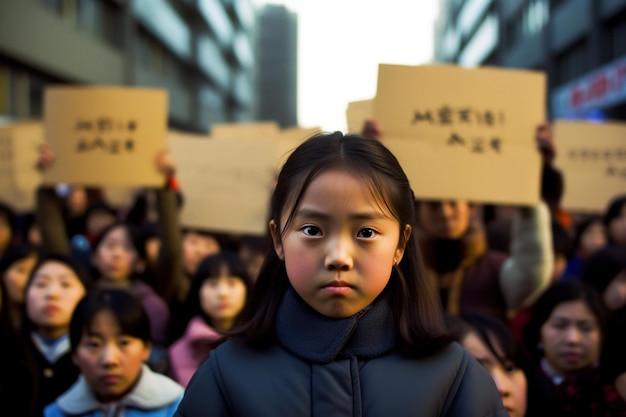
314 337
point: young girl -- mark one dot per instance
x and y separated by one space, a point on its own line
110 343
565 332
493 345
341 320
15 267
589 238
216 297
55 286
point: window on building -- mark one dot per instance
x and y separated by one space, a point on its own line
149 52
528 21
103 19
572 63
617 36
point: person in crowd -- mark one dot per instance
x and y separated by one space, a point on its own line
589 237
252 250
492 344
615 221
110 343
54 287
15 267
606 272
565 335
8 227
216 297
471 277
341 320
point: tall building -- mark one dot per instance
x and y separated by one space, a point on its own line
277 65
580 44
200 51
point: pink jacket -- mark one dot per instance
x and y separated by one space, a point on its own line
193 348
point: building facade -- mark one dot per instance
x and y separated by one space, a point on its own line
200 51
580 44
277 65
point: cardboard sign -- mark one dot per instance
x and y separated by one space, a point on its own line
226 183
357 113
592 158
256 130
105 135
19 177
464 133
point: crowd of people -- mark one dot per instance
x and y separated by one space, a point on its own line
361 300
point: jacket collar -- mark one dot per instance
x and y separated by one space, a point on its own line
151 392
314 337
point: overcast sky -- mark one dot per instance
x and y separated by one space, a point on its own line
341 43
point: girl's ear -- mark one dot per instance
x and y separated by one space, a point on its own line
406 235
278 246
146 351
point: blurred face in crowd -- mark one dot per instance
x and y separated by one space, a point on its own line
115 256
110 360
97 221
614 295
571 337
617 227
222 299
51 298
592 239
5 232
509 379
444 219
196 247
77 201
152 246
15 278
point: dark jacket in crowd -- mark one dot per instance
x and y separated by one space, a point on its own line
338 367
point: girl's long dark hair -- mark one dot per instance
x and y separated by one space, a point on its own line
417 309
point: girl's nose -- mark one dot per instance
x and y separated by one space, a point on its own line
572 335
502 382
110 355
339 257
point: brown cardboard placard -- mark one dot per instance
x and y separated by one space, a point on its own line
19 177
592 159
468 133
357 113
247 130
226 183
105 135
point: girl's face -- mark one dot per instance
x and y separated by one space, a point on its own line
196 247
617 228
341 245
510 380
571 337
109 360
444 219
115 256
222 298
51 298
16 276
592 239
614 295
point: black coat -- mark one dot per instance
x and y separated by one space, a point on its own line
347 367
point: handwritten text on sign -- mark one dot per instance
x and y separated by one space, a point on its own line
449 116
105 134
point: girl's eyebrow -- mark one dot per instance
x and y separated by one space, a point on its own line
316 214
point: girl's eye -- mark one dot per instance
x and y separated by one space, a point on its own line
311 231
367 233
510 367
124 342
